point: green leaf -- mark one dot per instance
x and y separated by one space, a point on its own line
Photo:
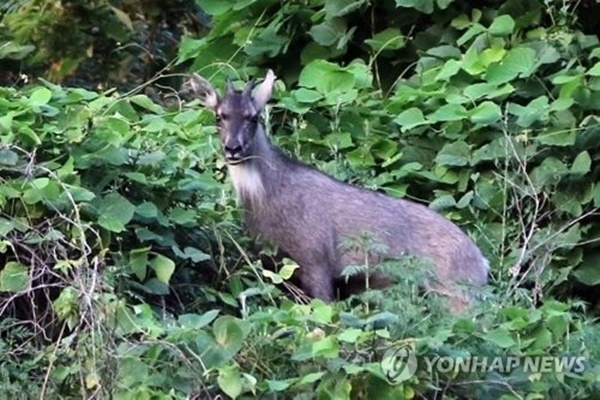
230 381
311 378
382 319
339 8
279 385
326 348
363 77
588 272
389 39
561 104
156 287
40 97
336 97
122 17
448 112
500 337
15 51
495 150
29 136
6 226
537 110
115 130
322 313
6 122
115 212
215 7
478 90
304 95
490 56
36 192
486 113
134 370
550 171
329 31
144 101
410 118
138 262
595 70
461 22
147 210
66 304
596 194
425 6
163 267
14 277
582 164
518 62
191 48
386 150
443 4
195 255
230 334
361 156
474 30
442 202
548 54
558 137
339 140
449 69
153 124
567 202
8 157
183 217
273 276
288 269
350 335
326 77
502 25
198 321
78 193
465 200
564 79
269 43
212 354
543 338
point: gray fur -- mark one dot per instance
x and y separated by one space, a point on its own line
307 213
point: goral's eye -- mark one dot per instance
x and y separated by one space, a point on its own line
222 117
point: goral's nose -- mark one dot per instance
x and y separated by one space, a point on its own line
233 151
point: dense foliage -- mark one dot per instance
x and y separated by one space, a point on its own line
123 268
94 43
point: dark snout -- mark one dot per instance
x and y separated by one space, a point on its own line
234 150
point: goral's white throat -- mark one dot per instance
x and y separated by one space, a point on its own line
247 182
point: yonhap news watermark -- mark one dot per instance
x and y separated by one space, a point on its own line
400 363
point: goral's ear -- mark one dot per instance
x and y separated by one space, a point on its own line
203 90
264 90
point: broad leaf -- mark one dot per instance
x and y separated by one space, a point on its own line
582 164
486 113
502 25
115 211
389 39
163 267
410 118
230 381
14 277
518 62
